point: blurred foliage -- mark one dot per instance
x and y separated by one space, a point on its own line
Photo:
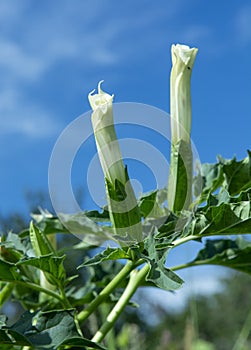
221 321
213 322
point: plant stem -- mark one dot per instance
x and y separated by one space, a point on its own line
184 240
191 264
180 267
104 294
5 293
110 339
41 289
135 279
64 298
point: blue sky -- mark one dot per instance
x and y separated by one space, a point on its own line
53 53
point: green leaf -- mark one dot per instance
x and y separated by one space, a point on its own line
42 330
40 242
209 179
82 343
97 216
225 252
49 264
169 226
230 174
147 203
13 241
50 224
159 275
14 338
237 174
124 210
107 254
81 224
153 210
13 247
8 336
8 272
227 215
52 328
163 277
180 177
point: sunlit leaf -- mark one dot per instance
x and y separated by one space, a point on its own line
180 177
232 216
159 275
40 242
208 180
47 263
226 252
107 254
237 174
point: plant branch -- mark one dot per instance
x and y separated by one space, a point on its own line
64 298
185 239
41 289
104 294
191 264
135 279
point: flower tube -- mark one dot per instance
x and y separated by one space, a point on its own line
122 203
181 162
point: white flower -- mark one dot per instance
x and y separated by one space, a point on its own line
107 144
181 160
183 58
122 203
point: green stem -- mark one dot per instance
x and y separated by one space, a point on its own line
135 279
5 293
64 298
104 294
110 339
191 264
180 267
41 289
184 240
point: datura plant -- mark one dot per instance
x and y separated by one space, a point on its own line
77 307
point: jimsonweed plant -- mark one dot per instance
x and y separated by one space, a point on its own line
59 302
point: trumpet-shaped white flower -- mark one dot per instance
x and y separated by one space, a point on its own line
106 140
181 160
122 203
183 58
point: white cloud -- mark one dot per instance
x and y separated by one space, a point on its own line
22 117
71 33
89 34
18 63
